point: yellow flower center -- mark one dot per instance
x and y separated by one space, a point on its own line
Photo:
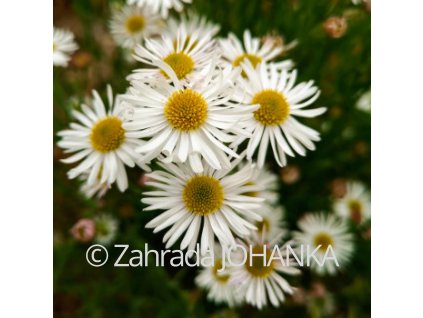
107 134
356 210
186 110
323 239
203 195
54 46
181 63
274 109
135 23
254 59
263 225
102 228
220 276
259 267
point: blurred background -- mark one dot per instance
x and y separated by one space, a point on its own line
333 49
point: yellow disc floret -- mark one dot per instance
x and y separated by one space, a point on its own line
356 210
181 63
107 134
274 109
254 59
260 266
220 276
323 239
203 195
186 110
135 23
263 226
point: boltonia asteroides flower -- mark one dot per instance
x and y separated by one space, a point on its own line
355 204
208 204
235 52
262 278
63 46
271 226
131 24
187 55
101 142
364 102
264 184
188 123
215 280
161 6
279 101
106 228
324 231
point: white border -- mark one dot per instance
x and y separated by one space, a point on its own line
397 159
26 172
26 263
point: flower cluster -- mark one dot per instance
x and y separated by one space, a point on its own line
200 115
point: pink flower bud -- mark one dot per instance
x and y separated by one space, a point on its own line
290 174
83 230
335 27
142 180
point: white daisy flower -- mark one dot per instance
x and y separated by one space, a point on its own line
264 184
215 280
106 228
193 24
100 139
188 56
211 201
325 230
364 102
235 52
261 278
129 25
279 100
272 226
63 46
185 124
161 6
355 204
